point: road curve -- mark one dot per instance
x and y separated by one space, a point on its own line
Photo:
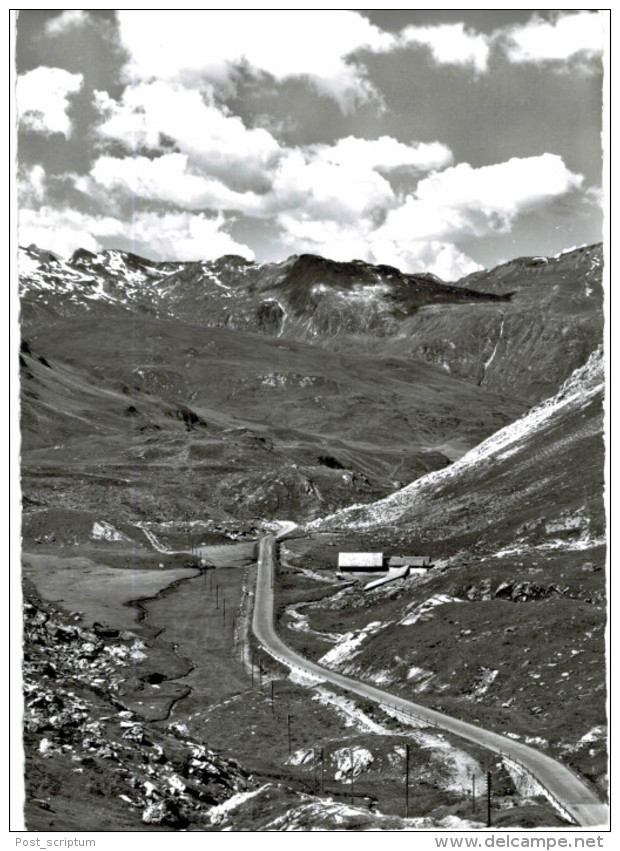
568 790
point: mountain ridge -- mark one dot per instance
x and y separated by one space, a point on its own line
519 329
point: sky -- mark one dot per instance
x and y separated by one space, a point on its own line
435 140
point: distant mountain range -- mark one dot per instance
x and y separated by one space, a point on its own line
519 329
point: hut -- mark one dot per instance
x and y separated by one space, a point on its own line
361 561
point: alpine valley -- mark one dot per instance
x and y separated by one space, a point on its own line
173 413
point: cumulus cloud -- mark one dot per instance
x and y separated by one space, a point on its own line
175 235
168 179
43 99
566 37
312 187
70 19
366 242
221 164
464 201
186 236
195 46
451 44
218 142
336 199
385 153
421 232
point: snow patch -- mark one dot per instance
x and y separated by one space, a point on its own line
303 678
104 531
424 611
350 762
219 813
354 715
348 646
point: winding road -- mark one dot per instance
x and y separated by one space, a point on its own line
569 792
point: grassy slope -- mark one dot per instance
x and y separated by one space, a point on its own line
145 419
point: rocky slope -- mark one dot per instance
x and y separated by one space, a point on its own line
91 762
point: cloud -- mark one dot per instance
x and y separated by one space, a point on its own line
167 179
70 19
43 99
198 46
451 44
185 236
365 242
60 231
219 163
216 141
560 40
316 188
31 185
385 153
568 37
421 232
465 201
340 199
165 236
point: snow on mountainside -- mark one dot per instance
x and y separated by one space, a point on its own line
519 329
532 454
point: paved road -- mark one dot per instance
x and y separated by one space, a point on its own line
576 798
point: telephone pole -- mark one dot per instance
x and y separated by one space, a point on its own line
406 781
488 799
351 758
314 772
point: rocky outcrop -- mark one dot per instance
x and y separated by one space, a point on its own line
75 722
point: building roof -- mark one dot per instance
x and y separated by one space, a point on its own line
360 559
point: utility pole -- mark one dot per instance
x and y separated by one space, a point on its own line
273 711
224 612
314 772
322 771
351 758
406 781
210 581
473 791
488 799
288 727
260 674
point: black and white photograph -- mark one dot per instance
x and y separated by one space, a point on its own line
312 413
